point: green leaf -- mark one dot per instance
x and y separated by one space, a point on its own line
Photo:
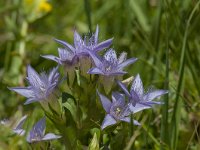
71 106
94 144
66 96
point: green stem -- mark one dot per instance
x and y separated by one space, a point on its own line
164 122
88 14
157 38
176 113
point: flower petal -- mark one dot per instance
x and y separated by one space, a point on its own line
33 77
20 132
108 121
122 57
116 96
37 132
95 71
155 94
105 102
65 55
66 45
126 63
51 57
51 136
21 122
111 56
117 73
103 45
123 87
137 86
78 42
138 107
135 98
96 59
31 100
127 119
53 75
27 92
96 35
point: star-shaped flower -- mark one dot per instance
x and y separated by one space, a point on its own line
138 98
41 87
91 43
18 128
38 133
109 64
71 54
117 110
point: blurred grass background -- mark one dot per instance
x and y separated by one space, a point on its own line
163 34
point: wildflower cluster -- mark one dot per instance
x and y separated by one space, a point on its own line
87 72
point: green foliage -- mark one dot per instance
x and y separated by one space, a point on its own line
163 34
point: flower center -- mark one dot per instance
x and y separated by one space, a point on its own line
108 68
118 111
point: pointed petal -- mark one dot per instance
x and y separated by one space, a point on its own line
27 92
103 45
96 35
108 121
66 45
19 131
78 42
51 136
118 73
53 75
138 107
137 86
127 119
21 122
116 96
155 94
96 59
31 100
95 71
126 63
106 103
37 132
39 127
51 57
151 103
111 56
33 77
123 87
134 98
65 55
122 57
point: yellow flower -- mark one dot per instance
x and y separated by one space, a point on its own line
44 6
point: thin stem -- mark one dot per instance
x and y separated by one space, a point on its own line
176 113
164 123
88 14
157 38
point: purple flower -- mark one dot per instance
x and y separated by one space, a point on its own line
71 54
18 128
138 98
38 133
117 110
109 64
91 43
41 87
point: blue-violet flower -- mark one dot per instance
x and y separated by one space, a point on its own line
109 64
138 98
117 110
41 87
18 128
71 54
38 133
